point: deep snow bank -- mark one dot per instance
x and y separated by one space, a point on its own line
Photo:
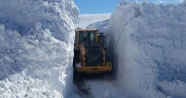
148 44
36 48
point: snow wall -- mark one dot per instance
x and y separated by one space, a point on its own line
148 45
36 48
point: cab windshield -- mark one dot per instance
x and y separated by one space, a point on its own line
87 37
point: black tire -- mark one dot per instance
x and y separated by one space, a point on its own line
76 55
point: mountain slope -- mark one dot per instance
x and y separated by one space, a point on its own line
86 19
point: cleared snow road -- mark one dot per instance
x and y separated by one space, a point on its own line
99 87
96 86
104 88
81 89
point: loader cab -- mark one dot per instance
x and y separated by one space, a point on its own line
87 37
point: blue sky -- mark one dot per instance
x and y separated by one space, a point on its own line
96 6
107 6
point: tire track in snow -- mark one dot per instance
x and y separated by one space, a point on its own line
100 87
82 88
104 87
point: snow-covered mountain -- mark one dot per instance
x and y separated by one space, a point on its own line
148 47
101 25
85 20
36 48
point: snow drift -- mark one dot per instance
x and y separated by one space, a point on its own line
36 48
148 45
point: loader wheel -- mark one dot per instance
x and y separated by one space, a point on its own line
77 76
76 55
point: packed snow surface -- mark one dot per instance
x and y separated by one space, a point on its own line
87 19
36 48
148 46
107 88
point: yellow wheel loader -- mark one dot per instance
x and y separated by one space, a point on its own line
89 53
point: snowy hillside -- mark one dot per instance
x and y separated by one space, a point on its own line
101 25
87 19
36 48
148 45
